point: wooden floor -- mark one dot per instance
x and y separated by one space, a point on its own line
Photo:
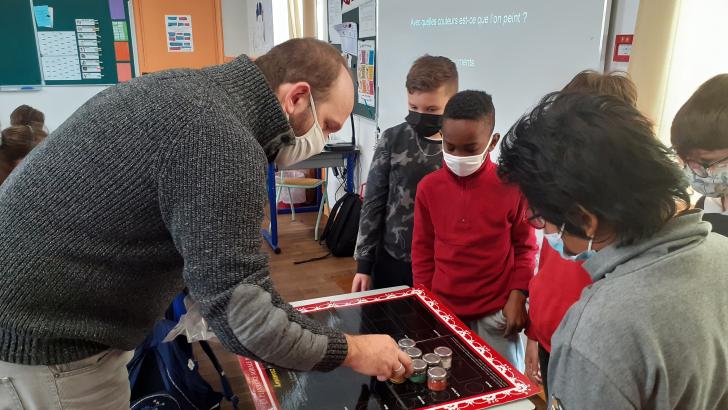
330 276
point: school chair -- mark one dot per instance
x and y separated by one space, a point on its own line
302 183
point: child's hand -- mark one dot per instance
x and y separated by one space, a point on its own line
515 313
361 283
533 365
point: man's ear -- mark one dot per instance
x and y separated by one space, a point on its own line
295 97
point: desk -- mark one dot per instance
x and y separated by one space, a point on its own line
326 159
400 312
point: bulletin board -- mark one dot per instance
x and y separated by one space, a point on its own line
66 42
361 59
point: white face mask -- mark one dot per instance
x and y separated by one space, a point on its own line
464 166
305 146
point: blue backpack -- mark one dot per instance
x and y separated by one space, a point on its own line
165 375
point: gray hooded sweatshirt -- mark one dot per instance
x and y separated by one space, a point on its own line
652 331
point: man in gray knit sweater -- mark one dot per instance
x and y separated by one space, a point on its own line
153 185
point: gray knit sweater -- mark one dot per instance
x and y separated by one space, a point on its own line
150 186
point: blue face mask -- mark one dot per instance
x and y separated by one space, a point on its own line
556 242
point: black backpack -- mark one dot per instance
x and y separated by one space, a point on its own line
342 227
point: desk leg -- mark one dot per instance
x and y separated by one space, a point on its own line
320 190
272 236
350 170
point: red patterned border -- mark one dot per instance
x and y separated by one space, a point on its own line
521 387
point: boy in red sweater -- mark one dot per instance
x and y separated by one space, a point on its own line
472 245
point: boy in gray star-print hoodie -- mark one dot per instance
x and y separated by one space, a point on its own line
404 155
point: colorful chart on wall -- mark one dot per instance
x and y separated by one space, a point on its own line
353 29
179 33
478 376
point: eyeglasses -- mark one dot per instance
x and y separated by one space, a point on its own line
701 169
534 219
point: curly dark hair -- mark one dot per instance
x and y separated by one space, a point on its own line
597 152
470 105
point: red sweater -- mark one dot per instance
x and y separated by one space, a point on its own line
471 245
556 286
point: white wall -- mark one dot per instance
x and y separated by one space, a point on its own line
59 102
698 54
623 20
235 27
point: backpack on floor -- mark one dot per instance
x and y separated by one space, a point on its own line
165 375
342 227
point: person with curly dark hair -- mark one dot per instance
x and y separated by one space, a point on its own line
650 332
559 282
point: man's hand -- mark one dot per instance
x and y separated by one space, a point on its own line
377 355
533 365
361 283
515 313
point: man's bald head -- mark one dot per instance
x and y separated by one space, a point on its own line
303 60
305 67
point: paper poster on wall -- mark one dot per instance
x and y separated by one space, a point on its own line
623 47
367 20
116 9
61 68
179 33
349 35
43 16
87 31
334 19
120 31
59 55
348 5
57 43
365 68
260 26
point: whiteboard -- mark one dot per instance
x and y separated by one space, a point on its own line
516 50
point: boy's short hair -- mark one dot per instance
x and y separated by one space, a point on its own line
428 73
470 105
615 83
702 122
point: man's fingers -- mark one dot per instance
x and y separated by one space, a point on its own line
406 361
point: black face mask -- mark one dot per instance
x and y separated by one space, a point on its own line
425 125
